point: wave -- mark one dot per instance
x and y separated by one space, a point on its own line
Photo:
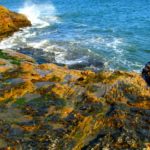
70 49
61 51
41 15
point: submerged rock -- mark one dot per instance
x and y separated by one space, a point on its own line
11 22
146 73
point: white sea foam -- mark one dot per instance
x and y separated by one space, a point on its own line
113 49
59 51
19 39
44 15
115 43
76 61
41 15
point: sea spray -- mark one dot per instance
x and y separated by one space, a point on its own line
41 15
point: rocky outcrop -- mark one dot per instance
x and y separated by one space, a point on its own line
146 73
44 106
11 22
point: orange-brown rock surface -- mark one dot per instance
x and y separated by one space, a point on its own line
11 22
45 106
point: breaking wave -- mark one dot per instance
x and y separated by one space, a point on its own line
41 15
69 43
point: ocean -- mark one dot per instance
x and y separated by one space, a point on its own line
84 34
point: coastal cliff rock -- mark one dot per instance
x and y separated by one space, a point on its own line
11 22
45 106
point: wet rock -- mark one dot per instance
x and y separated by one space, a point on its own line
146 73
17 55
15 81
29 97
43 84
43 73
15 132
39 55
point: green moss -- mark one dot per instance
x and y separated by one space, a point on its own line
16 62
114 76
13 60
20 102
78 135
55 79
4 55
41 101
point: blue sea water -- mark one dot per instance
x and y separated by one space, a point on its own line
84 33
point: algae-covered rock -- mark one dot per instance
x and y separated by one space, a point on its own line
45 106
11 22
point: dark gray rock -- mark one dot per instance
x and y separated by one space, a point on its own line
146 73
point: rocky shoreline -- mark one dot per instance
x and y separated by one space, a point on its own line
11 22
45 106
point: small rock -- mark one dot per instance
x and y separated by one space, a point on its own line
15 81
43 84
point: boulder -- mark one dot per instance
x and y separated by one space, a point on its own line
11 22
146 73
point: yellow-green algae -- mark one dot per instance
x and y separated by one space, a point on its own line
88 110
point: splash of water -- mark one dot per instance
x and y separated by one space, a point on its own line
41 15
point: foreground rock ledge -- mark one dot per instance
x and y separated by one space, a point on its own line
50 107
11 22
